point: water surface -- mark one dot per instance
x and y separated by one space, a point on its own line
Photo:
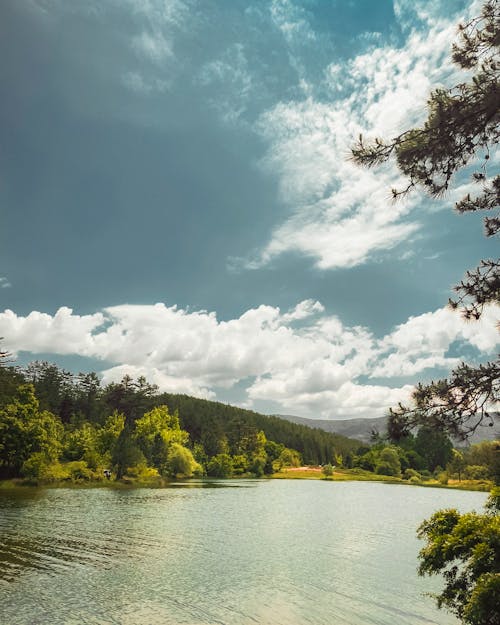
272 552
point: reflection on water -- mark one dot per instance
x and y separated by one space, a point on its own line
228 552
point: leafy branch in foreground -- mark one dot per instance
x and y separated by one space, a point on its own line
462 127
458 405
465 549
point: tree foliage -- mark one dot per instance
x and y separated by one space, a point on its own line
465 550
457 405
24 430
461 129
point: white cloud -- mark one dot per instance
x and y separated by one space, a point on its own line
154 376
157 22
62 333
340 214
291 20
4 283
160 12
304 359
142 85
234 82
153 46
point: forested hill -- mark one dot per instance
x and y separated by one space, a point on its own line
80 406
208 422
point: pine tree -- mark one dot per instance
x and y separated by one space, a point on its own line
461 129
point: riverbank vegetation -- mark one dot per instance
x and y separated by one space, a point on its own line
57 428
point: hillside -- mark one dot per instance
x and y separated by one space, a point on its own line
360 429
210 421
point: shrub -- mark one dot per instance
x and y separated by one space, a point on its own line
442 478
180 462
410 473
476 472
141 471
78 471
220 465
327 470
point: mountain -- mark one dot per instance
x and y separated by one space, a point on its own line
361 429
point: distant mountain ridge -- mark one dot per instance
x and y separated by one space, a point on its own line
361 429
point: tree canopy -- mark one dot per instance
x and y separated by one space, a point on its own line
465 549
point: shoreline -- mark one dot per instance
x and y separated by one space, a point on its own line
299 473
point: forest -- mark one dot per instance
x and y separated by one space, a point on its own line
60 427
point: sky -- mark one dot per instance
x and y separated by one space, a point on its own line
177 201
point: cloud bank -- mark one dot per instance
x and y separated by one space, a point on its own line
302 360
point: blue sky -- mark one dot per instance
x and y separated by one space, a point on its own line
176 199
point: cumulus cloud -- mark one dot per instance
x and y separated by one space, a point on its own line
304 360
4 283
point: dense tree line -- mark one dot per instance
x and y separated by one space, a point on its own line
55 425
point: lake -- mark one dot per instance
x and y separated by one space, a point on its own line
274 552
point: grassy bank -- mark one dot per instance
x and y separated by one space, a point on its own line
359 475
302 473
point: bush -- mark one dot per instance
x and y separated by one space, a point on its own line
410 473
35 465
79 471
258 465
180 462
142 472
386 468
476 472
327 470
220 466
38 466
442 478
414 480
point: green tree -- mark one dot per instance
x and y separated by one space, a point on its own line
461 127
465 550
220 465
10 378
126 453
130 398
327 470
54 388
180 462
457 464
156 431
87 395
109 433
388 463
24 430
434 447
486 454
